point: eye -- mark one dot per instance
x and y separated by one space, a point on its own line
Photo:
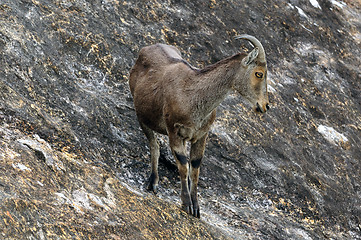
259 74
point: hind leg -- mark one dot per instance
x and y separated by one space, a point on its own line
154 157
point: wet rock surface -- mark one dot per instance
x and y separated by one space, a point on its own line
74 160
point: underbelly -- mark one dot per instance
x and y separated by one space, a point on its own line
156 123
159 129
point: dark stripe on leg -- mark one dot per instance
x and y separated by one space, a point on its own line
196 163
182 159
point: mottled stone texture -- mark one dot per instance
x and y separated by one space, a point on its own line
73 160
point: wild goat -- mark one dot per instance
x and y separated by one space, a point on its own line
172 97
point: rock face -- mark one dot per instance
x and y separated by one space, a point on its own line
74 160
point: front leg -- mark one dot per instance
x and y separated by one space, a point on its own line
178 146
196 155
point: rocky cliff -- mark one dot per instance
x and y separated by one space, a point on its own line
73 160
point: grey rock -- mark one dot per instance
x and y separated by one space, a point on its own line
74 160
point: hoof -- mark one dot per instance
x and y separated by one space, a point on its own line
152 188
191 211
196 213
152 184
187 209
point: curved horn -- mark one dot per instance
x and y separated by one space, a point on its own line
256 44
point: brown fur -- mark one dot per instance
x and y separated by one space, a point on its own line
172 97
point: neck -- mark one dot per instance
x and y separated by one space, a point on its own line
213 85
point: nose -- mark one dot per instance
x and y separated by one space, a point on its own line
261 109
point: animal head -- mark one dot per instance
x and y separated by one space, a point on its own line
254 72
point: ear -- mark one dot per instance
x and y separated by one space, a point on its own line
250 57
